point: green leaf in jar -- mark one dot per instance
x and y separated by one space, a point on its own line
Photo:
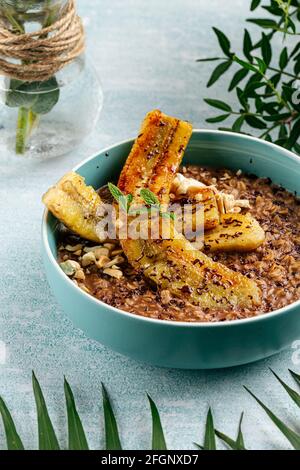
40 97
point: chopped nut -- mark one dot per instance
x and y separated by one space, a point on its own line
78 252
73 248
88 258
242 203
116 260
181 184
226 202
80 275
220 202
110 246
101 252
113 273
87 249
69 267
119 251
165 296
101 262
84 288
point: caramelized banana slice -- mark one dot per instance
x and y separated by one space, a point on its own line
236 232
190 274
207 198
155 156
172 263
75 205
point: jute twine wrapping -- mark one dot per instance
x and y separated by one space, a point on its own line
43 52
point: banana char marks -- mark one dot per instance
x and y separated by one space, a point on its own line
75 205
173 264
156 155
236 232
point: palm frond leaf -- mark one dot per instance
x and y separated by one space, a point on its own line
292 393
112 437
13 439
237 444
47 436
209 437
158 438
77 438
295 376
291 435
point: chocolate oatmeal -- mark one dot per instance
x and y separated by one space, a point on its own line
103 271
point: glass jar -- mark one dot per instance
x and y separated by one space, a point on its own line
49 118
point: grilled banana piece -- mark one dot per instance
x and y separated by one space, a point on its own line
155 156
172 263
236 232
190 274
207 198
75 204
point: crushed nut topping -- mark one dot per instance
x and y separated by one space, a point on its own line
226 202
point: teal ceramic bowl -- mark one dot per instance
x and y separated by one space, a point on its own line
178 344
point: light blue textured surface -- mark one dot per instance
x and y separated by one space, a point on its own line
145 53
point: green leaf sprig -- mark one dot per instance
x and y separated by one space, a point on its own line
124 200
267 84
149 198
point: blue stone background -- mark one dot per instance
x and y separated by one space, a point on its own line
145 53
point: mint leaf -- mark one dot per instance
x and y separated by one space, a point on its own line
123 199
115 191
123 203
149 198
167 215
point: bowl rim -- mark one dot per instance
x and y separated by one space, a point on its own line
132 316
